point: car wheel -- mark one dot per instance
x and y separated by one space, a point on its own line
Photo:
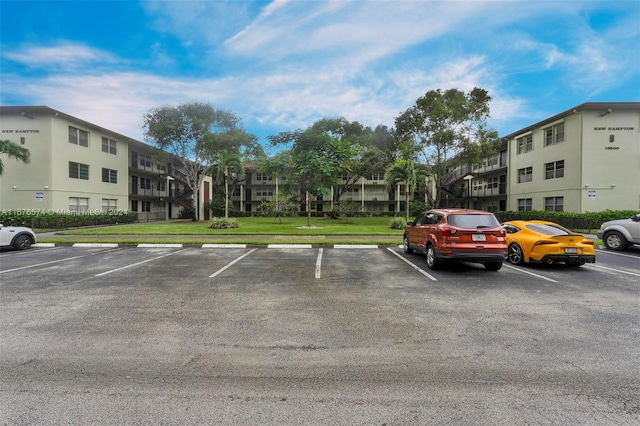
405 245
493 266
22 242
515 254
615 241
432 262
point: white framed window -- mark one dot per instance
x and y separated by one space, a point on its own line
78 171
109 145
554 134
145 183
525 204
525 143
146 206
264 192
377 176
555 204
145 161
78 136
109 204
262 177
525 174
78 204
109 176
554 170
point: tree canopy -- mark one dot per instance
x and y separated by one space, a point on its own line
195 132
13 151
448 129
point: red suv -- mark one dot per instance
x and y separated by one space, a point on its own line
457 235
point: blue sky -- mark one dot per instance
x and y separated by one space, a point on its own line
281 65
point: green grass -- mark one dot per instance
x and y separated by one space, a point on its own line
252 226
252 230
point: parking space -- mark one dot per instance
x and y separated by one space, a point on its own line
280 329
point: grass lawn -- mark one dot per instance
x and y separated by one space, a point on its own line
252 230
252 226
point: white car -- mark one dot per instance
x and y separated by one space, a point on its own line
18 237
620 234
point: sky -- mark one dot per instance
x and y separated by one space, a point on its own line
281 65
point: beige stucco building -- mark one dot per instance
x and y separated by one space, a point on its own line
585 159
77 166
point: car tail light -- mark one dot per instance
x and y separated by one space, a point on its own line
543 242
447 232
588 242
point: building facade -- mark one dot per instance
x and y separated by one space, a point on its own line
581 160
79 167
586 159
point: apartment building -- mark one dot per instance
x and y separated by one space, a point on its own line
80 167
585 159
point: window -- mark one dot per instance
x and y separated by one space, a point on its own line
145 161
525 204
525 143
236 192
554 134
146 206
108 145
78 171
145 183
78 205
377 176
492 162
554 204
554 170
264 192
344 176
525 175
493 182
134 205
109 176
109 204
78 137
161 186
261 176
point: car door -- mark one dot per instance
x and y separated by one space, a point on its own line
5 236
415 231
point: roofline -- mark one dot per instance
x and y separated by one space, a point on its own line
17 109
585 106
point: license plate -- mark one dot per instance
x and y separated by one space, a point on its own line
571 251
478 237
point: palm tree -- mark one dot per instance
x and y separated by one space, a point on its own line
224 164
13 150
407 171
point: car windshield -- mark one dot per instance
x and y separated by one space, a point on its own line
548 229
473 221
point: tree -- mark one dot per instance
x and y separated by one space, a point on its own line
193 132
407 171
449 130
225 165
13 150
317 160
369 151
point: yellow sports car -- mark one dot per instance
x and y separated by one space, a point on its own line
540 241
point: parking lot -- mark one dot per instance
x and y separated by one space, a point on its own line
306 335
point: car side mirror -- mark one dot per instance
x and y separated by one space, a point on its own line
635 218
410 223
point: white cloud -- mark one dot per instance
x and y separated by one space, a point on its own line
66 55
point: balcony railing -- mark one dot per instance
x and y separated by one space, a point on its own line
147 192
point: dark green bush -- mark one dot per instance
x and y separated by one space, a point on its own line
38 220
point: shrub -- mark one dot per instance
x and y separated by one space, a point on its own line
223 223
398 223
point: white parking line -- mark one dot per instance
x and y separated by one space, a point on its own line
417 268
319 263
527 272
355 246
55 261
224 246
293 246
167 245
229 264
613 253
139 263
95 245
612 269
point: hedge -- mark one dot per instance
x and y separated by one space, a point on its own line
52 220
